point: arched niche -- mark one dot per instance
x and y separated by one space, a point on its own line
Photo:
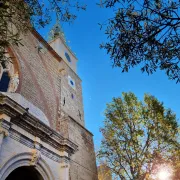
9 73
23 161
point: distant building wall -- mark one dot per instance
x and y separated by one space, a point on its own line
104 172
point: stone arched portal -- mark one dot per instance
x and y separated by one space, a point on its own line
25 173
23 162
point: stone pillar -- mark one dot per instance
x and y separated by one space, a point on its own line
64 170
3 132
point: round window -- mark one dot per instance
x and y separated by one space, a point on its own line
67 57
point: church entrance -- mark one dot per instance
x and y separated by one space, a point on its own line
25 173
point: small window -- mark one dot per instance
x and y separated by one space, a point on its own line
67 57
79 114
71 82
64 101
72 96
4 82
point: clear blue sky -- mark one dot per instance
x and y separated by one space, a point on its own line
100 81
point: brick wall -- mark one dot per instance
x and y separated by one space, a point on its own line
40 83
43 83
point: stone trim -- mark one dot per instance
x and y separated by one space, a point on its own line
4 132
17 136
55 157
24 159
31 144
23 119
21 138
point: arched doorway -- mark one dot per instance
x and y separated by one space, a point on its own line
20 164
25 173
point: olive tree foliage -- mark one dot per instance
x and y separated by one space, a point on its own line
17 16
144 33
139 137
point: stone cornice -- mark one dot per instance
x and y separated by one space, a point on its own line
23 119
23 139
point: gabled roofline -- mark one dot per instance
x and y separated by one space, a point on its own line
49 48
65 45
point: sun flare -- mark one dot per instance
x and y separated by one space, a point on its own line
165 173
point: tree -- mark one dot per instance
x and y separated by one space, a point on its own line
18 16
104 172
139 137
144 33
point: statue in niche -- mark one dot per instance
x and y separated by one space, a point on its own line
14 82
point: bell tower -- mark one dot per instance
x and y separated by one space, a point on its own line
42 130
58 42
71 91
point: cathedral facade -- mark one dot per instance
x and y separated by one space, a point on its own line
42 130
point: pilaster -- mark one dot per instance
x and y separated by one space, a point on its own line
64 170
4 119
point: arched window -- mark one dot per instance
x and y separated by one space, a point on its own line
68 57
9 76
4 82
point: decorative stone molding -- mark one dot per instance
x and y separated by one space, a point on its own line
4 132
4 127
35 127
31 144
21 138
36 155
37 143
4 117
64 171
32 109
24 159
40 138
